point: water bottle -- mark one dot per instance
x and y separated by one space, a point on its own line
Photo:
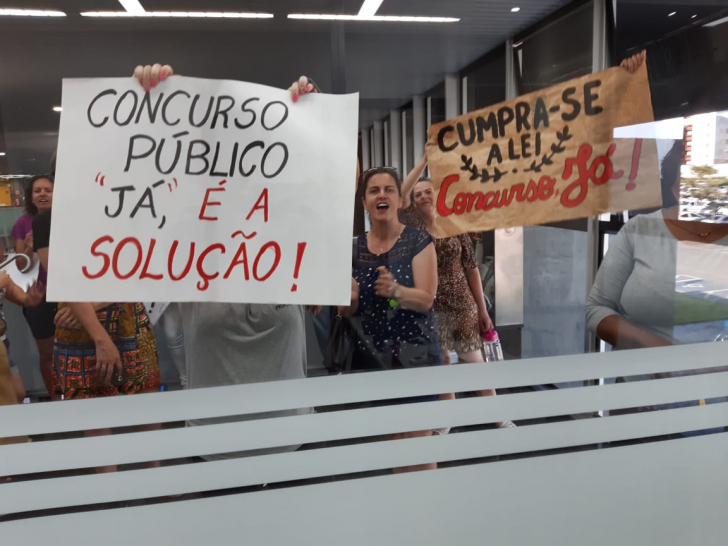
492 350
724 335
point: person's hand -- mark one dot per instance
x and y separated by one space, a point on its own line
108 360
484 321
35 294
300 88
150 75
28 240
66 320
385 285
5 280
633 63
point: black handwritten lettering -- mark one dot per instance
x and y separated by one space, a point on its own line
130 154
441 139
244 108
283 161
523 110
541 115
255 144
484 125
590 109
151 112
146 202
195 100
284 116
505 116
122 190
91 105
467 141
495 154
567 98
221 110
202 156
132 111
166 104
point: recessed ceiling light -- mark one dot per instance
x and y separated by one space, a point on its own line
181 14
373 18
694 16
514 10
671 14
2 153
57 109
369 8
31 13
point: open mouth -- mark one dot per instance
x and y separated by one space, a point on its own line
382 206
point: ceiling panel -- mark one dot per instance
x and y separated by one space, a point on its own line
387 63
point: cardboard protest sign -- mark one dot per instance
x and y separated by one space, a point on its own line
546 156
202 190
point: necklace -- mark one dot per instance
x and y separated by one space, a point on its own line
385 245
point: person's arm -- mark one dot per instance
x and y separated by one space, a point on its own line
603 314
420 297
621 333
16 295
472 274
408 184
108 358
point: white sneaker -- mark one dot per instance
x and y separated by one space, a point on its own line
507 424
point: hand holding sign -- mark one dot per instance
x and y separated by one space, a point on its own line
633 63
150 75
303 86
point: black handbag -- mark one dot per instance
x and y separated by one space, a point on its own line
341 345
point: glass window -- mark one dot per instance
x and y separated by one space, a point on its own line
686 54
554 258
485 83
559 51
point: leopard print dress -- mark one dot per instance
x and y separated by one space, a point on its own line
458 324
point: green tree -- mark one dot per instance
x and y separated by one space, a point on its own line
703 171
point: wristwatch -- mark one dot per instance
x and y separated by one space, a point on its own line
397 291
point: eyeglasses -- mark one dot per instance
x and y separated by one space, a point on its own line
380 170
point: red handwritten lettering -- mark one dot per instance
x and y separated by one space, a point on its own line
95 252
587 173
206 203
170 261
150 252
204 275
115 262
260 204
276 260
467 202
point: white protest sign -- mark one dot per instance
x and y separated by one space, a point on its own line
23 280
202 190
